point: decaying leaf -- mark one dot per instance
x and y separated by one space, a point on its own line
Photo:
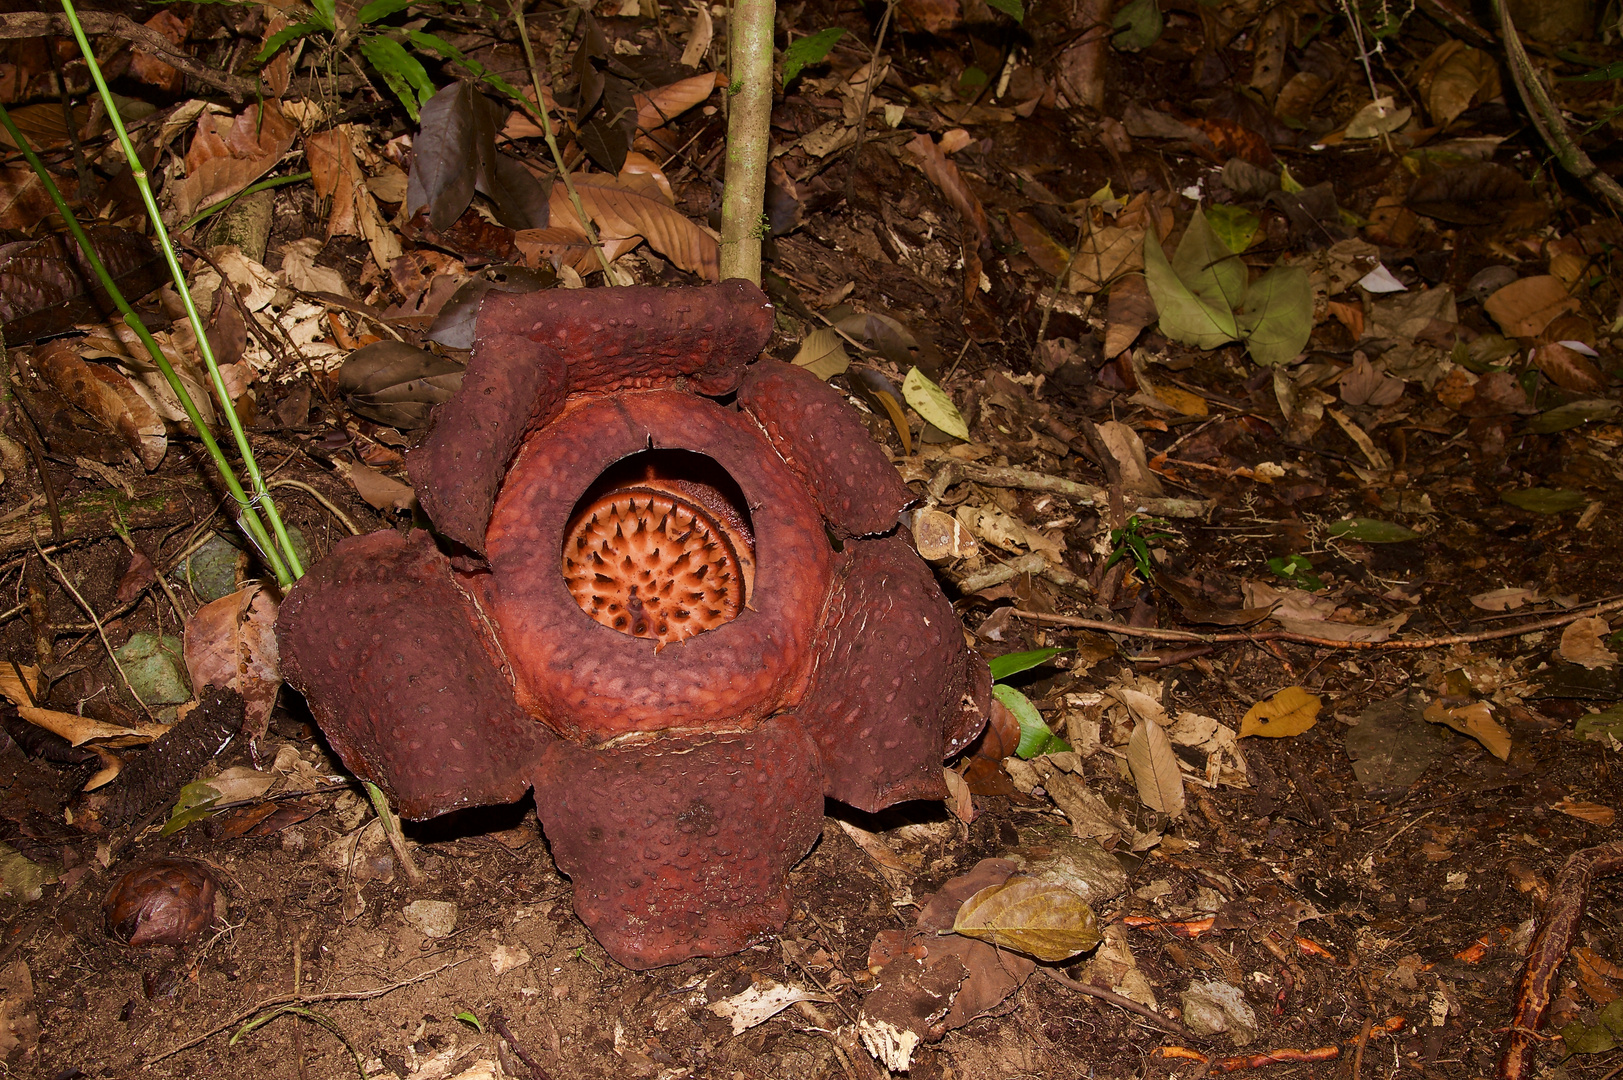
383 492
1475 720
1155 769
624 208
1583 642
232 642
107 396
761 1002
1289 712
1038 917
397 384
228 154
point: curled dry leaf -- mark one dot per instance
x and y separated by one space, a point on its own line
1475 720
935 165
226 155
397 384
383 492
658 107
232 642
1154 765
336 176
1569 369
108 397
1038 917
1289 712
625 209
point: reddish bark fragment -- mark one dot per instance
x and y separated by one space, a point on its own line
681 847
592 682
533 349
825 443
401 675
891 676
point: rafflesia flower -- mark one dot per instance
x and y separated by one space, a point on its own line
683 622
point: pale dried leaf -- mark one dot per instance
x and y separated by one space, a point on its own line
1525 307
1154 765
227 155
1475 720
1583 642
760 1003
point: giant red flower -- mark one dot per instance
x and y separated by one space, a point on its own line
682 622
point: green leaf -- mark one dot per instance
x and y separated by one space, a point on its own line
282 37
1543 500
472 1021
1016 662
1278 316
1036 916
1011 8
1572 414
1185 317
1298 571
1603 74
1372 531
808 50
1138 25
1206 265
1604 1036
403 72
435 44
1035 736
380 9
932 403
195 802
1234 225
1600 726
1288 183
326 14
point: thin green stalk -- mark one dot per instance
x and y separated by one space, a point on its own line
749 117
539 110
293 567
249 518
263 185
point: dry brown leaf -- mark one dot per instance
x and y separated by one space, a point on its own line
1525 307
23 201
620 212
380 491
1594 813
945 176
563 246
659 107
959 800
699 36
232 642
336 176
1505 599
1289 712
17 690
1155 769
79 730
1454 77
1034 916
107 396
1131 309
1583 642
148 68
228 154
1049 254
1570 369
1107 253
1475 720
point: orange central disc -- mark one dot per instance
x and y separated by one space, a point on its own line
649 562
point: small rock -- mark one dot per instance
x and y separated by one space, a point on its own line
432 918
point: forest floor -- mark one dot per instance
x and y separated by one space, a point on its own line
1391 492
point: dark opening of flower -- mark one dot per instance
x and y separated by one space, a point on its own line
662 554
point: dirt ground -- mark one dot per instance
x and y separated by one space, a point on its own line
1368 888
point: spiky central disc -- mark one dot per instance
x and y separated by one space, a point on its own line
650 562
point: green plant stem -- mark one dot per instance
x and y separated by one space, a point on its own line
263 185
749 116
283 559
539 111
250 519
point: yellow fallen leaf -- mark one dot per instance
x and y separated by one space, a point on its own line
81 729
1475 720
1594 813
1289 712
1040 918
14 688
